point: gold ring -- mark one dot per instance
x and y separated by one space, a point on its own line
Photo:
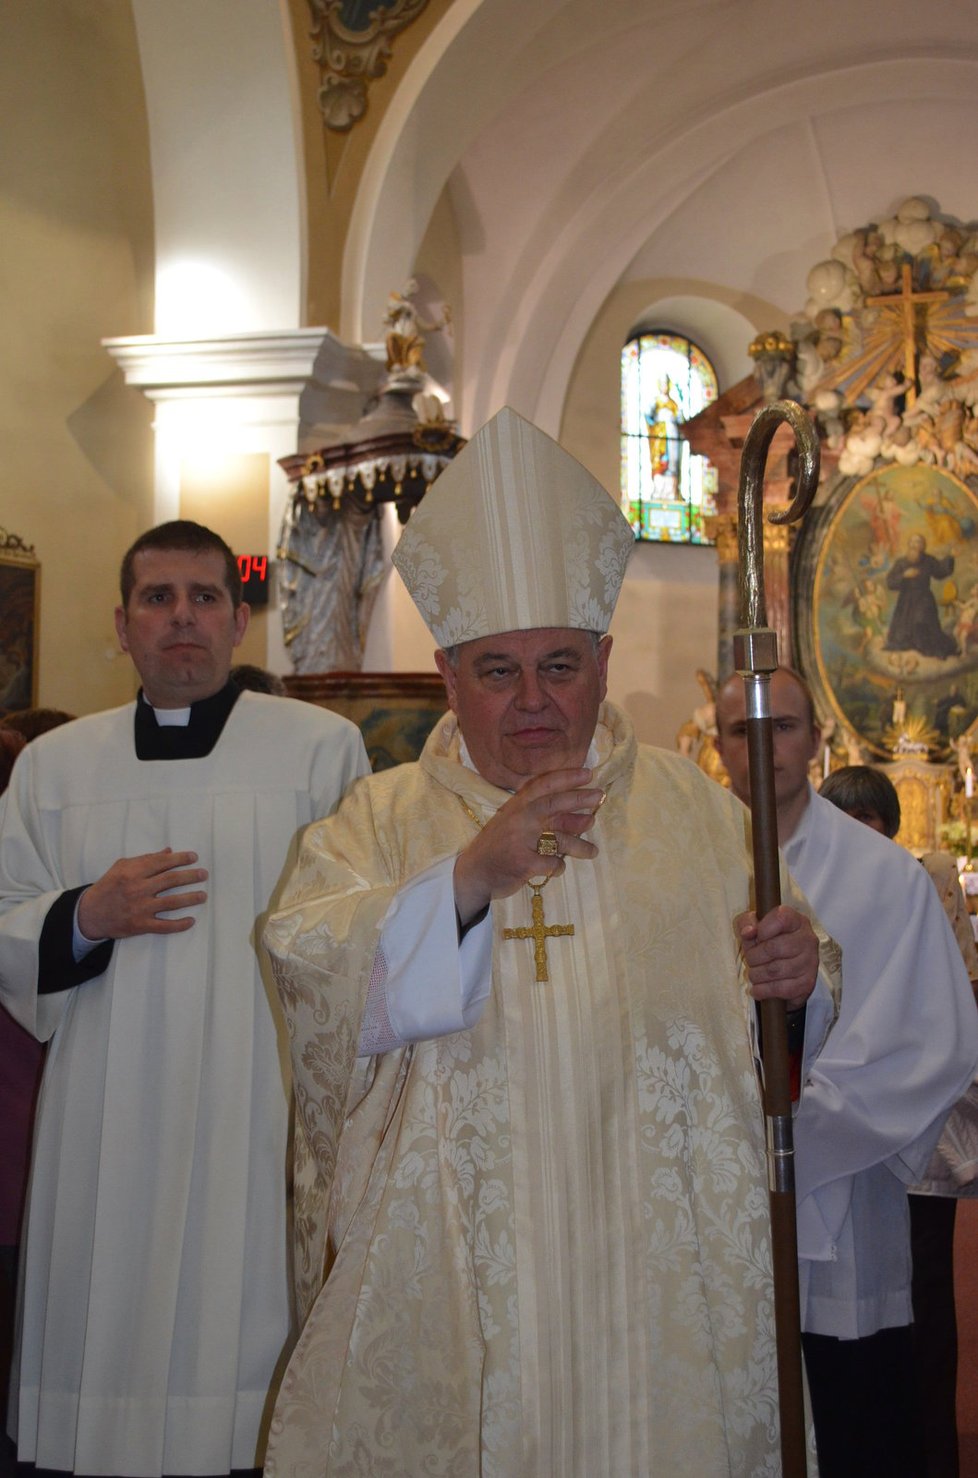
547 844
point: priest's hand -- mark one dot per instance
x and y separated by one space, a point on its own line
781 954
504 855
131 897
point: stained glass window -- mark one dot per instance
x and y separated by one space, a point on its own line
665 490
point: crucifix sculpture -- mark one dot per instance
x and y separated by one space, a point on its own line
904 308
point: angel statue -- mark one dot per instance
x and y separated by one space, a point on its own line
405 327
696 738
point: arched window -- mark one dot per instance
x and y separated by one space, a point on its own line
666 491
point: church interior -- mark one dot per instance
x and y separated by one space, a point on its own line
249 244
187 231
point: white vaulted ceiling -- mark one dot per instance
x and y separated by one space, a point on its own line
716 148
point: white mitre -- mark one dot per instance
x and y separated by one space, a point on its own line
514 534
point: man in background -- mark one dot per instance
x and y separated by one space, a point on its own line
138 850
870 797
904 1048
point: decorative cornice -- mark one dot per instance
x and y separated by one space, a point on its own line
722 529
248 364
772 342
778 537
399 468
352 53
14 548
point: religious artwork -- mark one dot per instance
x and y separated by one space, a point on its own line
874 595
895 603
19 602
404 339
395 712
887 355
666 493
330 565
885 570
696 739
353 48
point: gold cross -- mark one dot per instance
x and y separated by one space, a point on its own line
539 931
903 309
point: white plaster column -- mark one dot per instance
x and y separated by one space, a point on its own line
227 200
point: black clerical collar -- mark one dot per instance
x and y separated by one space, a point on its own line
184 742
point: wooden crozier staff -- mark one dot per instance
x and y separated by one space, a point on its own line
755 658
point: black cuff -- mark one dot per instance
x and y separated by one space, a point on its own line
463 929
57 968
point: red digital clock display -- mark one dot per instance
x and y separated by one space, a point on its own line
255 571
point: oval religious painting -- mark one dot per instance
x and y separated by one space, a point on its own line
895 607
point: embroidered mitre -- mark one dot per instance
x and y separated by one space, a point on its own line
515 534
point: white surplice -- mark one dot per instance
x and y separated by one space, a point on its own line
154 1282
904 1049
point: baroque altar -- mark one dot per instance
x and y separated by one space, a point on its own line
874 596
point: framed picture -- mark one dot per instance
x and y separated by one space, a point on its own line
889 637
394 711
20 579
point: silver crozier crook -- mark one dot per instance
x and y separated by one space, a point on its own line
755 658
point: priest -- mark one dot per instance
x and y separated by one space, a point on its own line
138 850
518 977
903 1051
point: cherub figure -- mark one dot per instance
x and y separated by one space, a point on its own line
883 397
696 737
404 341
869 604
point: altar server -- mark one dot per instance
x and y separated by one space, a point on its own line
138 851
902 1052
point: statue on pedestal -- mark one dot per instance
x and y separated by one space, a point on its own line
331 553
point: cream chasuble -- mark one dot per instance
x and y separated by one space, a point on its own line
548 1235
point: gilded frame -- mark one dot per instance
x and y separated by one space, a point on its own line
394 711
20 604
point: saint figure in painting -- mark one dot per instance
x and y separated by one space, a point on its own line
663 420
915 625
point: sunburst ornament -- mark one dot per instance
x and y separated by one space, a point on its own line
914 735
905 325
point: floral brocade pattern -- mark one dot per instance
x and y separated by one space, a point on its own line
548 1236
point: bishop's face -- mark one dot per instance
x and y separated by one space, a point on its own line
179 625
527 701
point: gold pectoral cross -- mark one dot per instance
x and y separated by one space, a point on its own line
539 931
